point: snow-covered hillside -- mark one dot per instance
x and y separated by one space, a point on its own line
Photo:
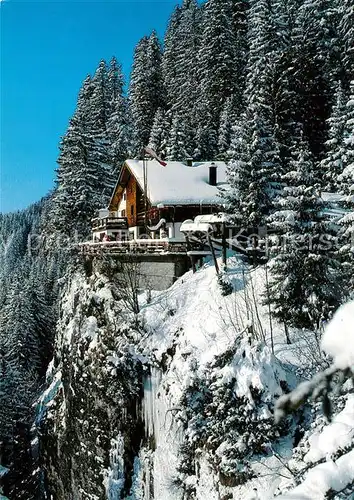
177 401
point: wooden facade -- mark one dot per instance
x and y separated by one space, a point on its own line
135 206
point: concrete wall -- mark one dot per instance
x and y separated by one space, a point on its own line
154 272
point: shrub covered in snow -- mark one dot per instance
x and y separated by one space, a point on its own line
227 415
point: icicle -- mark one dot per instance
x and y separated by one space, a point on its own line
114 481
151 388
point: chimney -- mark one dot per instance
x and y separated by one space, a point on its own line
212 174
189 162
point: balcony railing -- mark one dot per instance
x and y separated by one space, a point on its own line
109 223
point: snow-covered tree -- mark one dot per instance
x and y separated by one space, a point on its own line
305 277
85 175
146 94
227 121
217 72
331 165
159 132
180 66
119 126
315 65
346 183
347 151
257 162
346 32
177 141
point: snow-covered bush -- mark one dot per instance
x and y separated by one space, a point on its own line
228 417
337 342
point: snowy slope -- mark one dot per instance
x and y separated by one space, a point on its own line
181 397
191 325
188 328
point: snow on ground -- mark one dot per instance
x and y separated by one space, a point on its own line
191 324
334 474
331 475
188 326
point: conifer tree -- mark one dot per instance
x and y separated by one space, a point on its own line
346 32
179 64
119 127
305 285
257 162
331 165
176 149
346 183
227 120
315 65
146 89
217 70
159 133
84 176
99 102
347 152
170 56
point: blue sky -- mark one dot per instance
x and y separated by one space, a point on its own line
46 50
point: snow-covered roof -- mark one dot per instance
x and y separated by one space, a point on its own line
332 197
178 184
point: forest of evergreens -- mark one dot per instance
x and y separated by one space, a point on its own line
267 86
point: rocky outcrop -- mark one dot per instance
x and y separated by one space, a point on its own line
95 397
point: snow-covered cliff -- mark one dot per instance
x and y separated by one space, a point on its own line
176 401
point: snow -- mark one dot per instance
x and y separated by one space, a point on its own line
332 197
324 477
338 338
178 184
194 320
338 434
186 330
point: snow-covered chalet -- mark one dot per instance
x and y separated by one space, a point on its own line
174 193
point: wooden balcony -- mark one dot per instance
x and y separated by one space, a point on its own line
112 223
141 246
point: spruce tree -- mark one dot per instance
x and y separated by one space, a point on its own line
305 285
315 66
217 72
85 175
119 127
176 149
146 92
159 133
346 33
257 162
346 182
347 152
180 64
331 165
227 120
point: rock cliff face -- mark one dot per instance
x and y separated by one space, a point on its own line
93 405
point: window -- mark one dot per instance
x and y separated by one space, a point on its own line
132 210
124 196
122 213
